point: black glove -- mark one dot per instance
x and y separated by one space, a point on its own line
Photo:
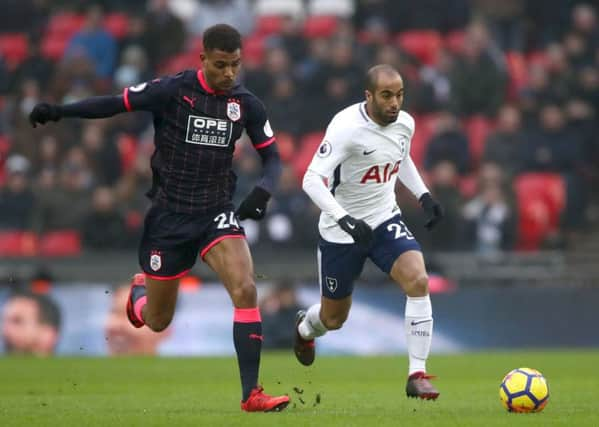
43 113
358 229
433 209
254 205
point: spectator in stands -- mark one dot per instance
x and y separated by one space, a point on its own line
290 38
504 145
283 106
444 180
95 43
489 218
478 79
278 309
16 198
35 66
584 23
122 339
555 148
30 324
448 143
101 152
506 21
104 226
277 64
160 21
284 226
232 12
64 206
133 67
550 146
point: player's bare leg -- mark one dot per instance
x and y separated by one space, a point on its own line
409 272
329 315
232 261
152 302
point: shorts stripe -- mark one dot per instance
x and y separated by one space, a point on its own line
176 276
218 240
319 262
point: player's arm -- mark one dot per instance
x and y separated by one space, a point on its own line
410 177
145 96
331 153
263 140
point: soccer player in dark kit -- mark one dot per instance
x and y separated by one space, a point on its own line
198 116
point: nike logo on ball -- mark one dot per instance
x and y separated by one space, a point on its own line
369 152
414 323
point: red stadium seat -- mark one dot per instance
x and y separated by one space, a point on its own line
307 147
477 129
286 146
60 243
268 24
454 41
195 45
320 26
127 146
179 62
541 198
423 44
53 46
253 49
425 126
64 24
117 24
517 68
15 243
13 48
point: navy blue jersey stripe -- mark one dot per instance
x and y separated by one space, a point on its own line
336 179
362 112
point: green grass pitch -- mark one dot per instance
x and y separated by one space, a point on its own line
353 391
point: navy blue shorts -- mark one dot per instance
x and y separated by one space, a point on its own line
171 241
340 264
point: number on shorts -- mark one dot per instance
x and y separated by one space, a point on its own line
401 231
226 221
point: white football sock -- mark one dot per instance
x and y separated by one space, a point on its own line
419 331
312 327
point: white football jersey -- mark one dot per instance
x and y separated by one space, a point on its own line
361 161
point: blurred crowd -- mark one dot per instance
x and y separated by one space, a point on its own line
505 96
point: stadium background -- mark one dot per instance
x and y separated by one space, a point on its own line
505 97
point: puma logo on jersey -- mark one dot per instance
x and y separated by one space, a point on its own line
378 174
190 101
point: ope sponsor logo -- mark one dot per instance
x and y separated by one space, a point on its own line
208 131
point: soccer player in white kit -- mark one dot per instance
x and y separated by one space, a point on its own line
352 179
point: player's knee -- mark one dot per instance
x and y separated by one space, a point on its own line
160 322
332 322
418 287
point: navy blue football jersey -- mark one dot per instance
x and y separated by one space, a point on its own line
196 129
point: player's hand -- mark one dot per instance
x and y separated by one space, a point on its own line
358 229
43 113
254 205
433 209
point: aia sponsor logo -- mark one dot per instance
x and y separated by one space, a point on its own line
379 174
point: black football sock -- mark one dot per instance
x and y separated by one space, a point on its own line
247 336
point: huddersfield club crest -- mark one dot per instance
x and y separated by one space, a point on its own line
233 110
155 261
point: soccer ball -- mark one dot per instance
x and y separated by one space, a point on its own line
524 390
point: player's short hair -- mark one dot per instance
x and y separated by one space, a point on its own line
48 311
373 73
222 37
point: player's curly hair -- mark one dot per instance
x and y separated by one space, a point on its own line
222 37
